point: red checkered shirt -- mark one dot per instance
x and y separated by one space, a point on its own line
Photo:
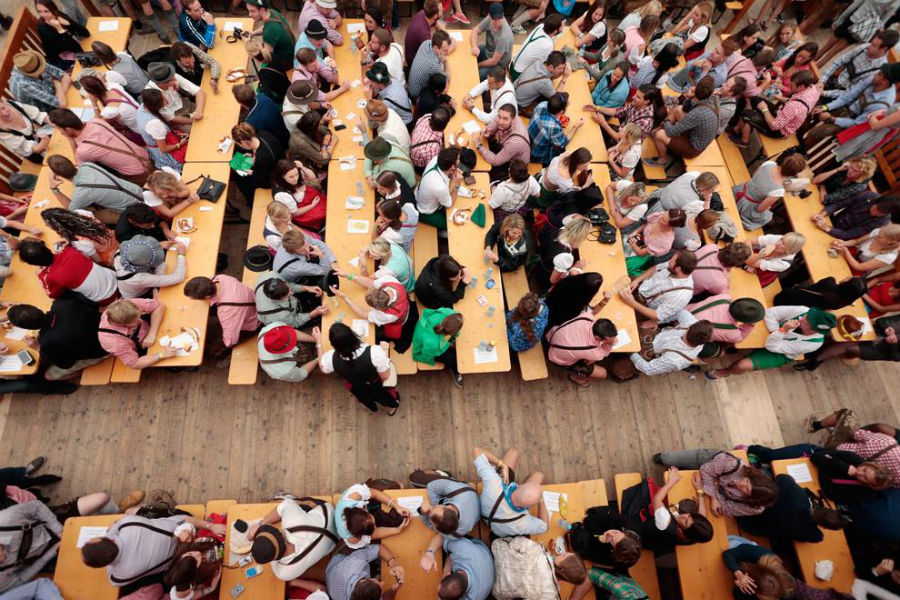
870 443
425 142
794 113
642 117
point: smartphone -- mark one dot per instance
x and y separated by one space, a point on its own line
25 357
253 571
240 525
237 590
340 127
469 179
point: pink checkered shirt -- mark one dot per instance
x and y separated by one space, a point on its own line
870 443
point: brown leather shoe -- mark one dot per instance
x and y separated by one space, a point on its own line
132 499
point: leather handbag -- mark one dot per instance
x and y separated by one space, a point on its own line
209 188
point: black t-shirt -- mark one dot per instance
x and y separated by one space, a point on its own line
660 541
789 518
72 333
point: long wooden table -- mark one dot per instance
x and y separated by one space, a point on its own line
463 77
833 547
348 103
221 111
609 261
409 548
23 285
202 254
346 246
76 580
589 135
467 246
815 251
644 571
263 586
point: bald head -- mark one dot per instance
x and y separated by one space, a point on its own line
527 495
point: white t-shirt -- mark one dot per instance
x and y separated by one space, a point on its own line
433 191
288 200
173 97
635 213
395 128
865 255
700 33
598 30
156 129
778 264
394 61
511 196
630 158
662 517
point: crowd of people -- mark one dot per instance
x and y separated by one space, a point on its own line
677 236
157 551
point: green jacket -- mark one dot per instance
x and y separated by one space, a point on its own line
428 345
398 161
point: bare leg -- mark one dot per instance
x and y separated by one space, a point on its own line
739 368
307 584
511 459
881 428
661 140
765 10
831 420
91 503
536 477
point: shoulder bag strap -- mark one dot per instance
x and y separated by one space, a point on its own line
162 563
532 79
566 324
459 491
285 265
658 294
236 304
322 534
274 310
115 184
883 451
491 519
679 353
128 151
400 106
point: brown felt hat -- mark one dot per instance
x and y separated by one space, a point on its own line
376 111
31 63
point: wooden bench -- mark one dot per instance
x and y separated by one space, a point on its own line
734 160
195 510
464 77
466 243
531 361
264 585
76 580
888 158
21 36
740 9
222 110
652 172
710 157
425 247
833 547
409 548
219 507
772 147
244 357
644 572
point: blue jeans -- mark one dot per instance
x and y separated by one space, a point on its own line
39 589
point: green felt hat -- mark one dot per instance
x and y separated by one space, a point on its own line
821 321
478 215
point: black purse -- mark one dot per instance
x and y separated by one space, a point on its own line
209 189
88 59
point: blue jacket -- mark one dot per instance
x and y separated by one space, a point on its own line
602 96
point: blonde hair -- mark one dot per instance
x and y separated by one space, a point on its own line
651 8
513 221
575 231
163 181
380 249
891 233
774 41
706 9
293 240
638 190
793 242
773 581
123 312
629 136
867 165
278 211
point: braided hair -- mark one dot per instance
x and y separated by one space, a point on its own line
70 225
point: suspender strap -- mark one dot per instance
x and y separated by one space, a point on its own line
709 305
566 324
883 451
115 184
236 304
285 265
658 294
491 519
525 45
163 563
461 490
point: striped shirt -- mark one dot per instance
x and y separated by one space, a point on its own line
423 66
854 59
344 571
665 294
513 141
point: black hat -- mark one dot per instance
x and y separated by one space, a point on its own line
22 182
258 3
892 72
302 92
268 545
377 149
315 30
258 258
379 73
747 310
160 71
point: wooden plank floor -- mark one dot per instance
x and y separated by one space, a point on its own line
202 439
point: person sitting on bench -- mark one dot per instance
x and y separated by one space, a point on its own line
235 309
469 568
504 503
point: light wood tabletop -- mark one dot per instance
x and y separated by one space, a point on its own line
815 251
112 31
76 580
263 586
701 570
833 547
609 261
463 77
351 104
203 251
409 548
589 135
221 111
482 324
345 245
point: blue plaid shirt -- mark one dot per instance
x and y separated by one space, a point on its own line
548 138
38 91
